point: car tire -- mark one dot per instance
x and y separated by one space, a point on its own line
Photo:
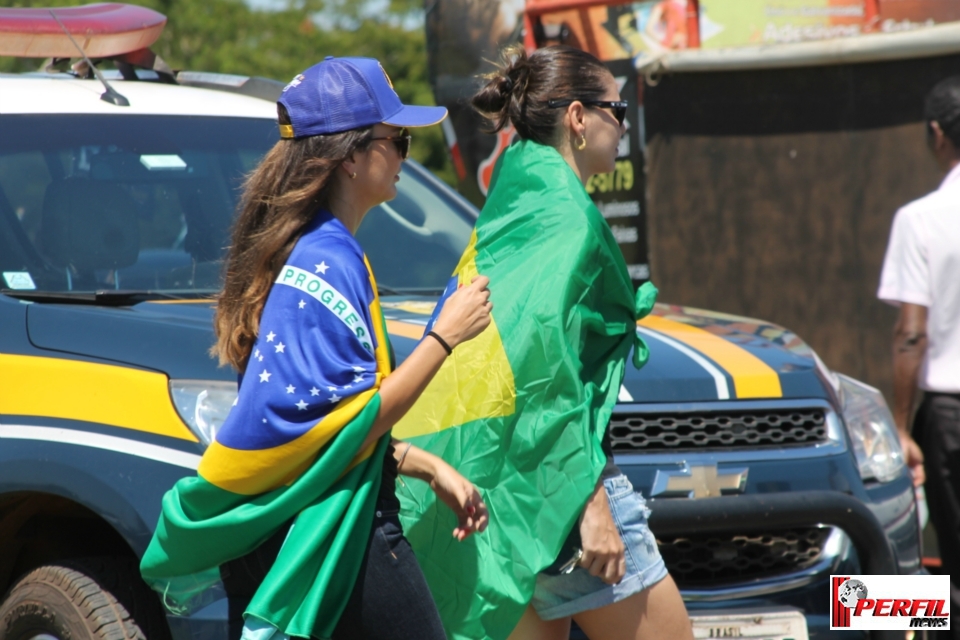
81 601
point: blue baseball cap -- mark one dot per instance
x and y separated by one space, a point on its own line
340 94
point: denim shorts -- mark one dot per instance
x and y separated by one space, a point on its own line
561 596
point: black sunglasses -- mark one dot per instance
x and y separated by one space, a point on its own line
401 142
619 107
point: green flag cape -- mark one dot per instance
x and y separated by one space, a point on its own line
304 463
521 410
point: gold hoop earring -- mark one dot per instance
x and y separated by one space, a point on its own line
353 175
582 143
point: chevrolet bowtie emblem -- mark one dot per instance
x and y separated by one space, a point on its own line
698 481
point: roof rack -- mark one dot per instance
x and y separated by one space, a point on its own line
254 86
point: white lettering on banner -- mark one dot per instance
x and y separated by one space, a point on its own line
873 603
328 296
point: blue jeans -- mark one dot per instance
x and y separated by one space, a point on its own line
391 600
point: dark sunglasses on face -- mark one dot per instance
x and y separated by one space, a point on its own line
618 107
401 142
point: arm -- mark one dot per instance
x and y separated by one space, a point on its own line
465 314
909 347
603 550
457 492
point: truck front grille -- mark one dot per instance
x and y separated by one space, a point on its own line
717 430
699 561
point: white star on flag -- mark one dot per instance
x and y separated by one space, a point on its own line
256 353
314 391
348 386
358 379
280 347
334 398
260 358
322 267
331 388
271 336
265 376
302 304
302 406
359 369
291 388
264 420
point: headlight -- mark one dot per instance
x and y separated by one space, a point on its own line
203 404
872 431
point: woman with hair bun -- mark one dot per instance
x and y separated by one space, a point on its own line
568 536
566 109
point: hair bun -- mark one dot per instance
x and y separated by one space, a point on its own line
518 90
505 88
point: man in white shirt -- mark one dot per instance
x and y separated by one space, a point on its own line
921 275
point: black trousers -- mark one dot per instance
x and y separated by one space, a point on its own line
389 601
937 429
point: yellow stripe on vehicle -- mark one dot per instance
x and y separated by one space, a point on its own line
405 329
752 377
419 307
100 393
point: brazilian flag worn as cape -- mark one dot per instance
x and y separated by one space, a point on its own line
521 410
290 449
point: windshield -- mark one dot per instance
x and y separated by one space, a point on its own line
144 203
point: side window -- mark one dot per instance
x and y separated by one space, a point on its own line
23 181
415 240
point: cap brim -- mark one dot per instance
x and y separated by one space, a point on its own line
410 116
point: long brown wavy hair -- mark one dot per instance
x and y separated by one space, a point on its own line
279 199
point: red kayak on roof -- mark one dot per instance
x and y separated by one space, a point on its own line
102 30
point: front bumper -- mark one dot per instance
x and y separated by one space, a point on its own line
780 510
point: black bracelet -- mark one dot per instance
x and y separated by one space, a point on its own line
443 343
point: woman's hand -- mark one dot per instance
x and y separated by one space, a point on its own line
453 489
462 497
466 313
603 550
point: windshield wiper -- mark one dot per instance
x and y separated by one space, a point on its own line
105 297
383 290
408 291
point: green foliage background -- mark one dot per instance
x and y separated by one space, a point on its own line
228 36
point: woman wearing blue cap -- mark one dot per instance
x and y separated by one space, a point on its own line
294 505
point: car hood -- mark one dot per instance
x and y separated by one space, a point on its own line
169 337
695 355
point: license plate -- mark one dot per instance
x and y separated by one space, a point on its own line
756 624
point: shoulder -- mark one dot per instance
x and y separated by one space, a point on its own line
934 204
911 217
328 245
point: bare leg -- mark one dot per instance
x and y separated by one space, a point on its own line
531 627
655 613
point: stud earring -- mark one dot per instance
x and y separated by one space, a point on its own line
353 175
582 143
